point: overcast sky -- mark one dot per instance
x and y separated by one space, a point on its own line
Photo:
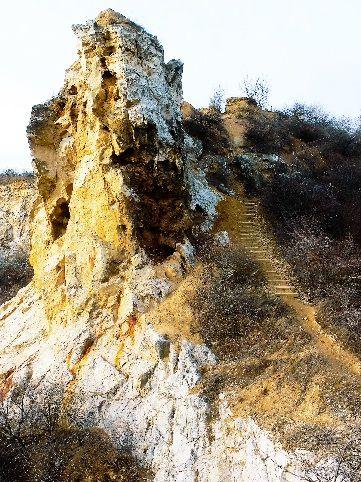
308 50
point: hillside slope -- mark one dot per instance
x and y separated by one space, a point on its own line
163 314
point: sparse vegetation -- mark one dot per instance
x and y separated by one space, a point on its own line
233 304
266 132
208 127
345 465
328 271
311 191
36 445
217 100
257 90
15 273
9 175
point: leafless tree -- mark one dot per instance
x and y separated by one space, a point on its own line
256 89
217 101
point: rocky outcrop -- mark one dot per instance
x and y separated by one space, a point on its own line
16 202
123 247
114 168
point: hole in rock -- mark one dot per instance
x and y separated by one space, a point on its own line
199 214
73 90
154 242
60 218
123 158
69 190
108 75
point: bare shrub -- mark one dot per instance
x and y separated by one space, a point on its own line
313 202
217 100
332 138
15 273
233 303
329 272
267 133
341 313
343 466
257 90
36 445
209 129
293 195
9 175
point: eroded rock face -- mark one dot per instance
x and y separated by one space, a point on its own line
111 319
111 159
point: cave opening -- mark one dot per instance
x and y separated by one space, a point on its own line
73 90
108 75
60 218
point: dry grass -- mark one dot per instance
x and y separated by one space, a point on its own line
68 455
209 129
38 443
9 176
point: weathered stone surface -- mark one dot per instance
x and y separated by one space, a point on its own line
114 168
146 399
123 205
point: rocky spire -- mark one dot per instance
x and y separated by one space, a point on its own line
110 155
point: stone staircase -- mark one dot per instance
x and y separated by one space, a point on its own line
258 243
242 218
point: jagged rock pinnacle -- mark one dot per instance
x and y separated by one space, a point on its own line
112 162
110 17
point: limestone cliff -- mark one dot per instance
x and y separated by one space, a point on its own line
135 311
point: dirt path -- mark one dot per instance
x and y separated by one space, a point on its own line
243 220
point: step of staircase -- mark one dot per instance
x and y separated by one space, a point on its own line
284 286
285 293
253 240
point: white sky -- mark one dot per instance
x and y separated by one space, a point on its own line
308 50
